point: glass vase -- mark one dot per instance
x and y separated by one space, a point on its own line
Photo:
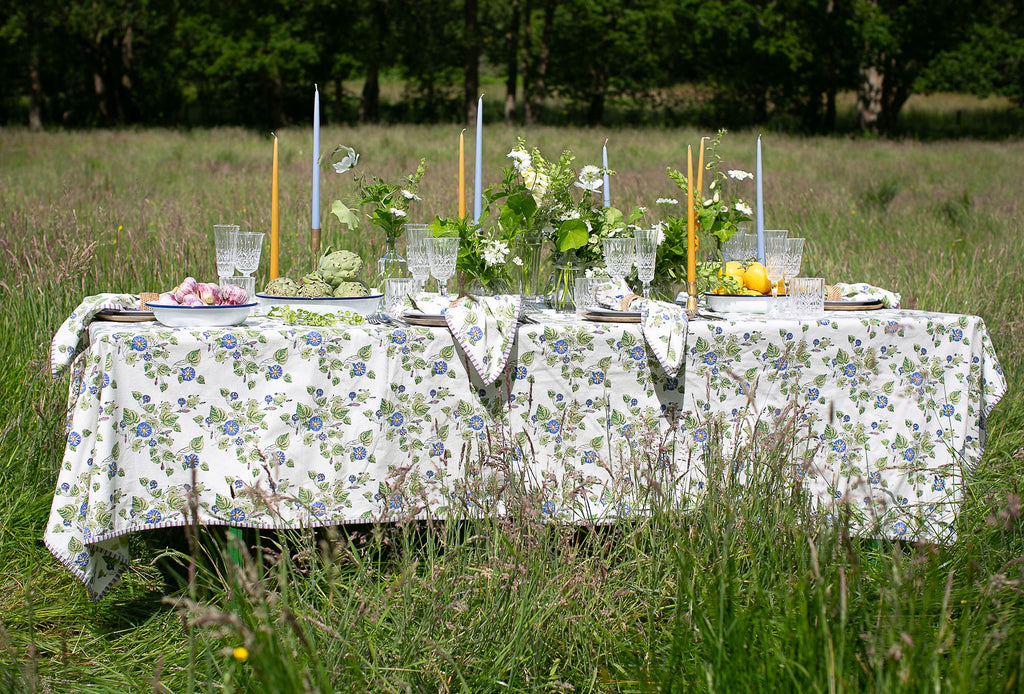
391 264
561 284
530 247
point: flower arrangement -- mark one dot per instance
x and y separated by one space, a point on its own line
718 215
386 203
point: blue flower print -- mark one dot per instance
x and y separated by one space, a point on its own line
710 358
947 410
318 509
596 378
237 515
74 438
437 449
548 508
590 457
900 528
274 371
553 426
143 430
359 453
139 343
476 422
181 401
839 446
152 516
520 373
359 369
637 353
812 393
191 461
352 479
875 478
321 477
957 335
909 454
82 560
475 334
319 392
396 502
314 339
188 373
881 402
700 436
316 423
229 341
440 367
938 484
849 370
561 347
277 457
917 378
399 337
231 427
397 419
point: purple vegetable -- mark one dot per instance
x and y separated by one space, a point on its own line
188 286
233 295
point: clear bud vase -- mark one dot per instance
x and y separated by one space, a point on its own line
530 246
391 264
561 285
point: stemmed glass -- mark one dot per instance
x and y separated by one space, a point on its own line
618 256
443 253
646 255
247 252
225 238
794 256
775 265
417 255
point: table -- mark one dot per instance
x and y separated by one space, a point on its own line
266 425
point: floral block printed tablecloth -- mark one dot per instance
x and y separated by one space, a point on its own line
274 426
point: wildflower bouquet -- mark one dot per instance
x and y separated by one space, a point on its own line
718 216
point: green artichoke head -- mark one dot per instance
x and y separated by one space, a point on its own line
339 266
281 286
315 289
351 289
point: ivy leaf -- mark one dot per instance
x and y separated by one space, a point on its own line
344 214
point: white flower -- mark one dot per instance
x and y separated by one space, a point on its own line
666 201
660 228
517 261
494 253
395 212
723 209
571 214
744 208
716 197
521 160
739 174
348 161
537 183
590 178
409 195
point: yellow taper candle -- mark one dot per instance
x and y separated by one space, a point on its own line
275 248
691 238
462 174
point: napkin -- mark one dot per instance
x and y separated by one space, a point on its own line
664 325
70 339
485 327
861 291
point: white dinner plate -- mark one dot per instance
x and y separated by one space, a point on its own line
201 316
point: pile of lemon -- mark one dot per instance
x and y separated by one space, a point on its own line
750 279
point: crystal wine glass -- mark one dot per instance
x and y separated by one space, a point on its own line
444 254
646 255
618 256
794 256
417 256
775 265
225 239
248 250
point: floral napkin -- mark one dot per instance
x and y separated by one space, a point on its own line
861 291
664 325
70 338
485 327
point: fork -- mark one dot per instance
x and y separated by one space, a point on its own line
378 319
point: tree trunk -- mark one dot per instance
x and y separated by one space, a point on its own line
540 68
369 104
869 98
512 64
471 57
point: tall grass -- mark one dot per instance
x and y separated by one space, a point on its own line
745 591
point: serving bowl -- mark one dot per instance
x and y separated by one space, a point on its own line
200 316
362 305
741 303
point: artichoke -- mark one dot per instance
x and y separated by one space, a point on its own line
315 289
351 289
281 286
339 266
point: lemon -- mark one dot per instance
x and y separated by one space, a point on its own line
756 277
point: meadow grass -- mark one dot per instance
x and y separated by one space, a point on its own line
745 592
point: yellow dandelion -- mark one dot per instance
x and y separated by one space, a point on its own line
240 653
119 227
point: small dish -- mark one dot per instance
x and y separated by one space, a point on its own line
873 305
201 316
363 305
430 320
125 315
